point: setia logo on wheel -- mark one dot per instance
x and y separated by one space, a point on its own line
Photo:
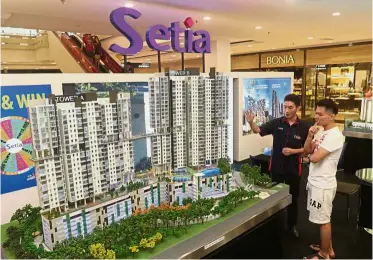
14 145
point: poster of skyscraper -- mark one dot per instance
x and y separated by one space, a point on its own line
17 167
264 97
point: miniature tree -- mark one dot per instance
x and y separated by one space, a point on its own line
224 165
98 251
143 243
245 169
134 250
110 254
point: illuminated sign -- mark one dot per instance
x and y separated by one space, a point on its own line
285 59
197 42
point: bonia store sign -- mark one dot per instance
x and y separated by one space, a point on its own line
284 59
195 41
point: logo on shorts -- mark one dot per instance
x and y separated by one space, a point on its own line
315 204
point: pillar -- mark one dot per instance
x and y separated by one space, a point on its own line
220 56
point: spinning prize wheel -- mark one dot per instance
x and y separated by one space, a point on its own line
16 145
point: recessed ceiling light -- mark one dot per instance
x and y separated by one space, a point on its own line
23 44
4 62
249 46
207 18
272 48
128 5
258 27
336 14
3 43
310 38
330 41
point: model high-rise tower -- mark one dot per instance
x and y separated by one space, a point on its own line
189 115
82 149
48 167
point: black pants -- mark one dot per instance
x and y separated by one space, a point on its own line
293 181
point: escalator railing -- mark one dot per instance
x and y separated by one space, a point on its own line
110 62
102 67
106 61
78 54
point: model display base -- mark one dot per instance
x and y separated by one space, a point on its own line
225 230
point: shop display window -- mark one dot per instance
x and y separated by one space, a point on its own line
309 107
345 84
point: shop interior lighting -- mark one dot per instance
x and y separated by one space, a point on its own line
128 5
310 38
258 27
207 18
23 44
249 46
336 14
3 43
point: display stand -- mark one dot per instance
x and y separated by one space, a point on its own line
358 151
248 225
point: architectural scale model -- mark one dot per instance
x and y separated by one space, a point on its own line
190 115
84 152
81 149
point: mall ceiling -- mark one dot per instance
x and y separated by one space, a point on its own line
260 24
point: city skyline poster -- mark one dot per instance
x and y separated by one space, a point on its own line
264 97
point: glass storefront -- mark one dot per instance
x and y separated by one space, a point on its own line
344 84
342 73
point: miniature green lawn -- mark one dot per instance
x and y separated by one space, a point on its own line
197 228
193 230
4 237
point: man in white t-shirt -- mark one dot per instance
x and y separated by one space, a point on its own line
325 148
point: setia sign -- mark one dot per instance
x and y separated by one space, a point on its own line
284 59
197 42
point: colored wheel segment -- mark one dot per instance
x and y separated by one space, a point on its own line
16 145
